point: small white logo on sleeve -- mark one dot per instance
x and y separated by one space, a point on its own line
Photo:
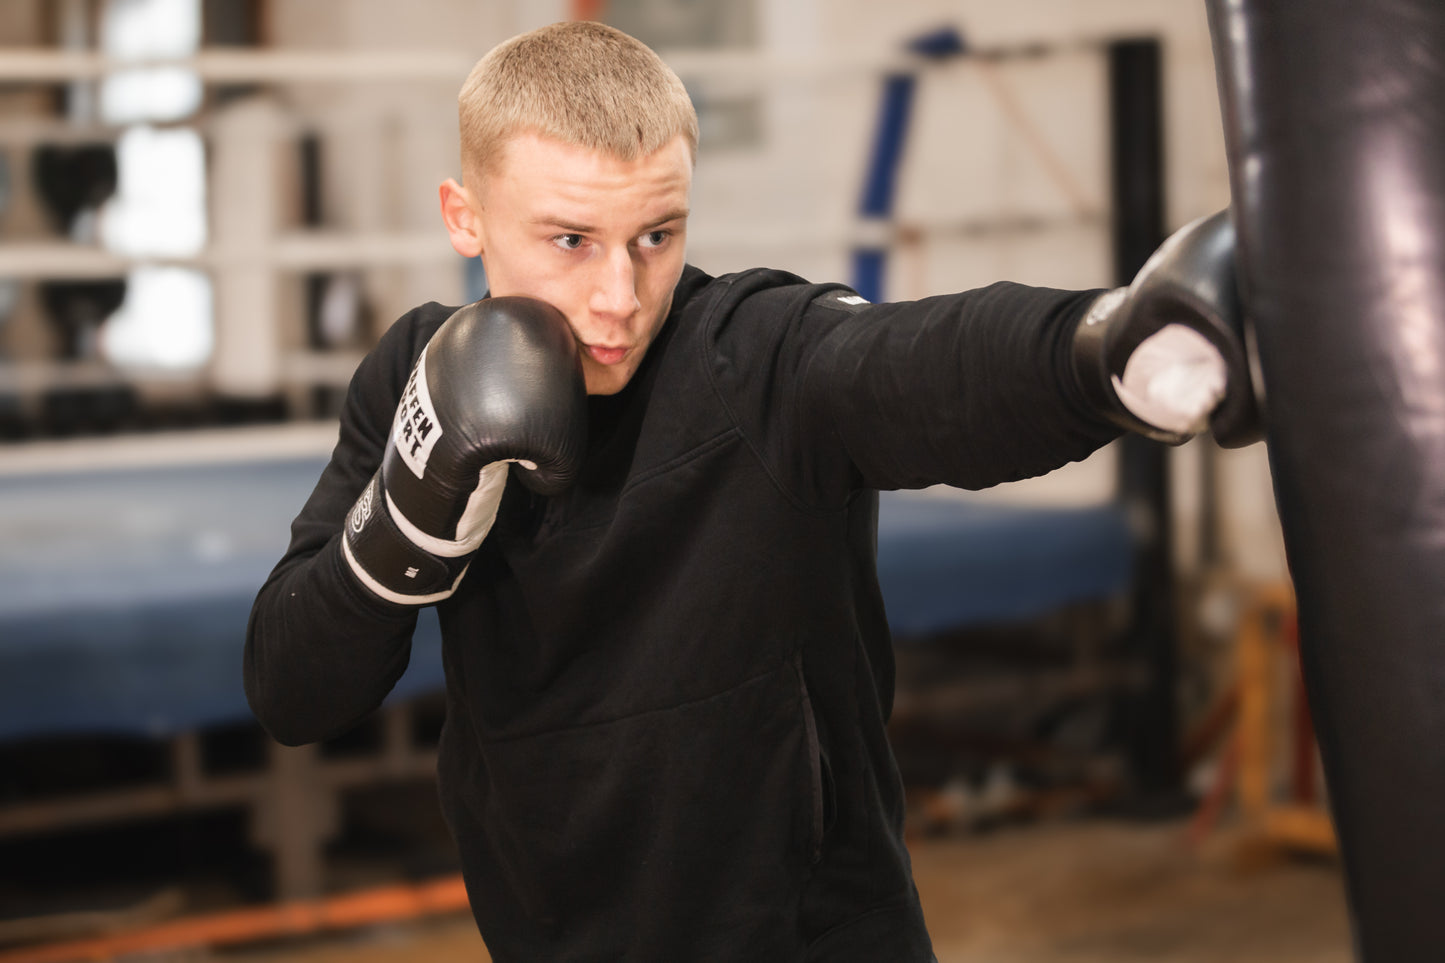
416 429
411 571
852 299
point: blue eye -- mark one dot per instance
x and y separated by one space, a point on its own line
654 238
569 242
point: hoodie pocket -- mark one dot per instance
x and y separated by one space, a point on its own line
820 774
714 809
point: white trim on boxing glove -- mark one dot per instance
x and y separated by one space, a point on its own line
387 594
472 527
387 562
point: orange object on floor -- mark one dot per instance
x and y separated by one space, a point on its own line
1246 771
300 918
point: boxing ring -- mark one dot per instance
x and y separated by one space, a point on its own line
128 568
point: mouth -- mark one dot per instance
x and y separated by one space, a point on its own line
605 355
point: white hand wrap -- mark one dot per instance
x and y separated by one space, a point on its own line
1173 380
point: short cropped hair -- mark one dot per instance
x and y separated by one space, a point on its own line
580 82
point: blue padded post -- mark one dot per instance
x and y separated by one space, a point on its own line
875 205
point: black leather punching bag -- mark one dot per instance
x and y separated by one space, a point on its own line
1334 115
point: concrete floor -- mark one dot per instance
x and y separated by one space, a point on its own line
1087 891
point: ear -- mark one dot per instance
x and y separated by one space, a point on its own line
463 225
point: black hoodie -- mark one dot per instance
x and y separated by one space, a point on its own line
667 689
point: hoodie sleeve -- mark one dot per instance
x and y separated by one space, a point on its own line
321 650
970 389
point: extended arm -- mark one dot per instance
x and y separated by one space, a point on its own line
1009 381
970 390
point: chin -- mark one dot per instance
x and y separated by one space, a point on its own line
608 382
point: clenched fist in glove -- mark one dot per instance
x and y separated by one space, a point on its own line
1170 354
500 383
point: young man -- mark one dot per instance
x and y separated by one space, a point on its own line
668 675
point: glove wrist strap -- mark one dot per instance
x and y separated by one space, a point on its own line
387 562
1093 371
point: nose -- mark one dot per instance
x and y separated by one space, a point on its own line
614 293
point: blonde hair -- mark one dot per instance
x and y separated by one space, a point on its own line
580 82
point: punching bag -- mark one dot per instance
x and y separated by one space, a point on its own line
1334 115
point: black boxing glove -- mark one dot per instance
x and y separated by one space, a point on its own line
499 383
1173 353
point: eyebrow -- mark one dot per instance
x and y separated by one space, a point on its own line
572 228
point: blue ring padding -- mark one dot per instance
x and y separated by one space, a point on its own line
124 595
154 670
946 563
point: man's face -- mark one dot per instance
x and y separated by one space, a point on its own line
601 239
